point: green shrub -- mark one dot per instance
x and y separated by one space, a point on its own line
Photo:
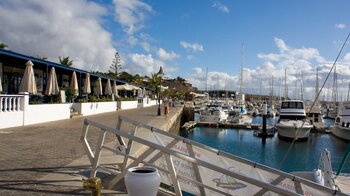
70 93
82 100
126 99
102 99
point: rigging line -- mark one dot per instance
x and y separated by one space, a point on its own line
313 103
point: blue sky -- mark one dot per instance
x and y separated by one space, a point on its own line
187 37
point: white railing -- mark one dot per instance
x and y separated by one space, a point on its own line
188 165
11 103
16 111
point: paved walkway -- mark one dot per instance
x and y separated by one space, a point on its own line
29 154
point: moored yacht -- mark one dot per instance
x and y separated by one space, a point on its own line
315 115
292 123
341 127
241 117
213 114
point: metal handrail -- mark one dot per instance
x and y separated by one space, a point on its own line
222 153
165 150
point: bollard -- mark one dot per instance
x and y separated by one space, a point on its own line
264 120
94 185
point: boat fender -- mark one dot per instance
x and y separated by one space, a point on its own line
318 176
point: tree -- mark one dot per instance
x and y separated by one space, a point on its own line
65 61
181 80
40 57
116 65
138 80
125 76
3 46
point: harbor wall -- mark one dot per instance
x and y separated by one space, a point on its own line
187 114
170 122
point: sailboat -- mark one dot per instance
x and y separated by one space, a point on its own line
315 114
333 109
241 117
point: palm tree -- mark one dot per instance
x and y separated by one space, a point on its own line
155 81
65 61
138 80
3 46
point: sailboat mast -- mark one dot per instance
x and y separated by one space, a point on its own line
347 98
260 92
335 85
241 78
206 80
272 90
285 84
317 86
302 87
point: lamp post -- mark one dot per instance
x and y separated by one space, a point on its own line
160 74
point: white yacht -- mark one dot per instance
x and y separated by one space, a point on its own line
213 114
316 117
341 126
241 117
292 123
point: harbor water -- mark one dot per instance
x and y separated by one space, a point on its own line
274 152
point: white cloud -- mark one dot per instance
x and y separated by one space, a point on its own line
298 62
197 70
281 44
215 80
146 64
340 26
189 57
192 46
131 14
58 28
347 57
165 56
221 7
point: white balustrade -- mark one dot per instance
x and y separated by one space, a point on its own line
10 103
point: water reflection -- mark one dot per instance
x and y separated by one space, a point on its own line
303 156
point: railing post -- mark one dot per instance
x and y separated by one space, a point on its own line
24 105
10 104
24 101
19 103
5 105
1 99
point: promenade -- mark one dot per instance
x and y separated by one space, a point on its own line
49 159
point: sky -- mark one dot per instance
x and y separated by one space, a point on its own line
199 40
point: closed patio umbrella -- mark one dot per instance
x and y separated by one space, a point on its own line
74 84
87 86
52 84
28 81
98 90
108 89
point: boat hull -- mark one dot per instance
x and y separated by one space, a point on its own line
341 132
293 132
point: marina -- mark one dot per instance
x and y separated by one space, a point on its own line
174 98
303 156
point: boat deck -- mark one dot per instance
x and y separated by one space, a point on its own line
230 125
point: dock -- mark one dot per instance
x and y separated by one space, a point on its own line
229 125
